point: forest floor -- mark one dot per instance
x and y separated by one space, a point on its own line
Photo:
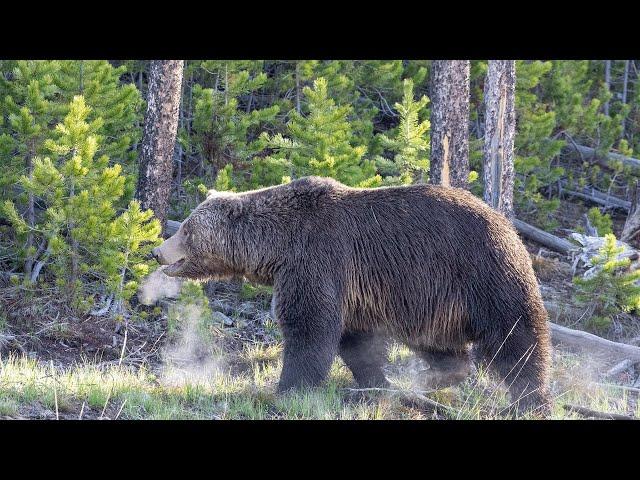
55 365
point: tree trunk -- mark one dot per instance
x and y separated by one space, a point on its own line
632 224
298 109
607 82
160 128
625 89
500 129
450 123
31 220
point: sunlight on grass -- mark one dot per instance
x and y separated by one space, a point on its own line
139 394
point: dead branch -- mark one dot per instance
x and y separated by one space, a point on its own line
596 196
632 223
588 413
591 153
624 365
621 387
414 397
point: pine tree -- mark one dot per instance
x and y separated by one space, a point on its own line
410 143
28 111
318 144
536 148
612 288
118 105
130 238
80 192
224 130
224 180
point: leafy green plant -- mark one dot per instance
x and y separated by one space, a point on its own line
410 144
317 144
612 288
82 237
601 221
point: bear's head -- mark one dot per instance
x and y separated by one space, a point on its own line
203 246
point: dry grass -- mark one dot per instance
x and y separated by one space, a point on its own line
31 389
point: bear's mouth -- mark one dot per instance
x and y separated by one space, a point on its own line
174 269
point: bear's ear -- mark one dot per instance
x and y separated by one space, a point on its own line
211 192
234 208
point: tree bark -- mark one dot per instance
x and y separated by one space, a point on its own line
450 123
158 141
298 109
632 224
625 82
500 129
607 82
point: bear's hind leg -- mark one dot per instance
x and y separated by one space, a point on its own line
449 367
364 353
523 366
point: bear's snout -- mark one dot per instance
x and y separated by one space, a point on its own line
159 256
172 252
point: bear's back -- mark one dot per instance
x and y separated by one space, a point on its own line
412 254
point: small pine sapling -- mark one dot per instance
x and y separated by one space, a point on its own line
612 288
410 145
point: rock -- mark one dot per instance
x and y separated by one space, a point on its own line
221 306
220 317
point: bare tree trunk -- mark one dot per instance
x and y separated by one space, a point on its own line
632 224
160 128
450 123
625 85
298 86
31 219
607 82
500 129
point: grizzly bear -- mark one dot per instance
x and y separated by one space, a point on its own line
432 267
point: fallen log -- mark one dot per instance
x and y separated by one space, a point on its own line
619 368
556 244
588 413
595 196
620 387
593 344
593 154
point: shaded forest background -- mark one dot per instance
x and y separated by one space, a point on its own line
90 173
70 135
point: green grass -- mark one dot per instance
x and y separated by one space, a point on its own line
251 291
131 393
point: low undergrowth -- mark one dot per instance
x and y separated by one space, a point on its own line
32 389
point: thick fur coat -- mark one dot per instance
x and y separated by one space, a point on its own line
432 267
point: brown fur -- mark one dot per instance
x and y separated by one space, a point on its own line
433 267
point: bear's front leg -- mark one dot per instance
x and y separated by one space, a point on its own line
311 329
